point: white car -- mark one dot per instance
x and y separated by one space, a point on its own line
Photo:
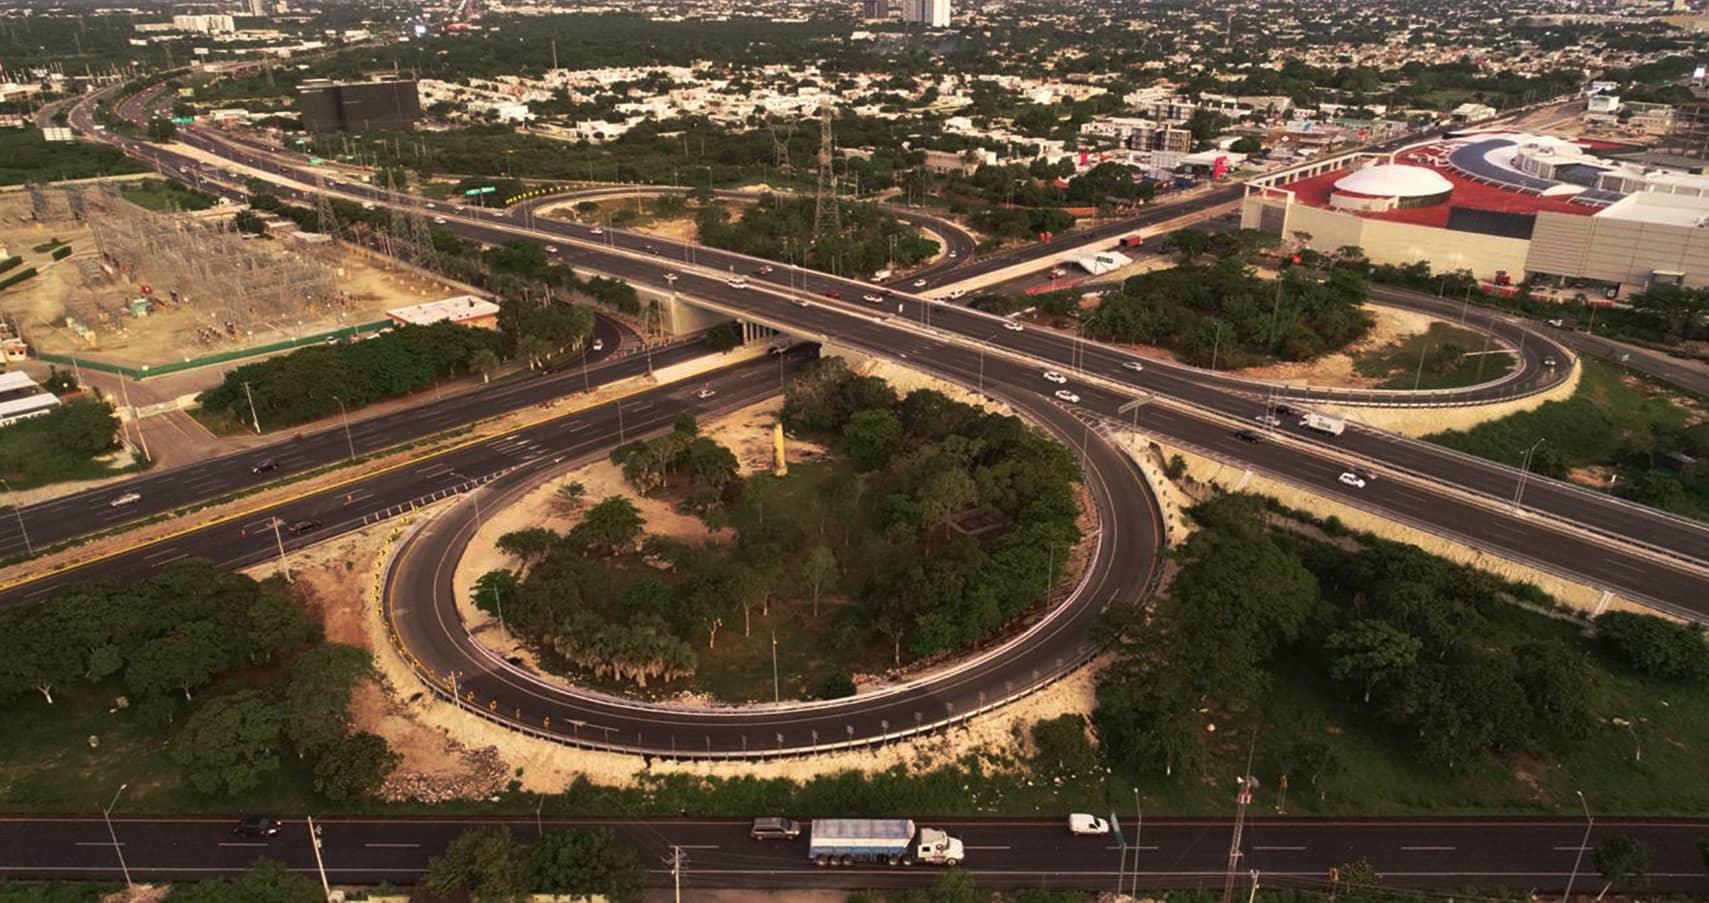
800 302
737 282
1268 419
1012 326
1067 396
705 393
439 220
1135 366
597 230
957 292
1055 377
919 283
1353 480
599 344
129 498
670 277
1081 823
952 252
551 249
872 299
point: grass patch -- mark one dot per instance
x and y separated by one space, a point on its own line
56 891
1441 357
25 158
163 196
1617 425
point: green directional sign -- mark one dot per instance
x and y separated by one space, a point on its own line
316 161
183 120
485 189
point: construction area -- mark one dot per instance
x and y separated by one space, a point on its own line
145 289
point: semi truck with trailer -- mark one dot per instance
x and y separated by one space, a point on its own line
893 841
1323 423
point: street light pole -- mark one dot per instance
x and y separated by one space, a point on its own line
1525 471
351 443
776 688
1579 857
107 816
19 512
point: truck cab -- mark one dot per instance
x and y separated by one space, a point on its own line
938 848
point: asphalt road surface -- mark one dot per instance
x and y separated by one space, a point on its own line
235 542
1518 531
422 609
1528 853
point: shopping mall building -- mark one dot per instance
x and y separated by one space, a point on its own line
1570 216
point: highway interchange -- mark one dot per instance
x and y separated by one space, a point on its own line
1420 484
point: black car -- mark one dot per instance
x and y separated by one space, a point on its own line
265 465
1249 435
303 526
256 826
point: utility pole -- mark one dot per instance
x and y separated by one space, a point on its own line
1579 856
124 389
254 419
1247 783
107 816
1138 827
320 864
284 566
351 443
677 858
776 691
19 512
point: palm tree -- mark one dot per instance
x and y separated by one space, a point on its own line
484 362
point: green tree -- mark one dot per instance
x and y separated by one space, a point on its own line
819 569
486 866
354 767
266 881
161 129
1371 652
586 862
724 337
1063 748
1622 860
485 362
1358 882
871 437
231 742
955 887
1654 646
317 691
611 527
1189 243
528 545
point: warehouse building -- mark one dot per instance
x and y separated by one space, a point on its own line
380 105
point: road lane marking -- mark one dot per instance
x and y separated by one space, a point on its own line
1279 849
1132 847
1428 849
1569 849
166 561
393 846
987 848
702 846
238 843
98 843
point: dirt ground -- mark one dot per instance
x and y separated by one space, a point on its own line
1391 326
39 307
746 432
447 751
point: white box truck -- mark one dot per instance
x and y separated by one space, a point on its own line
846 841
1323 423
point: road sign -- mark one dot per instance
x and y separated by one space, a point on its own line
183 120
485 189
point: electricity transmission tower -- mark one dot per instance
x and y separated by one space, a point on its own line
825 202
